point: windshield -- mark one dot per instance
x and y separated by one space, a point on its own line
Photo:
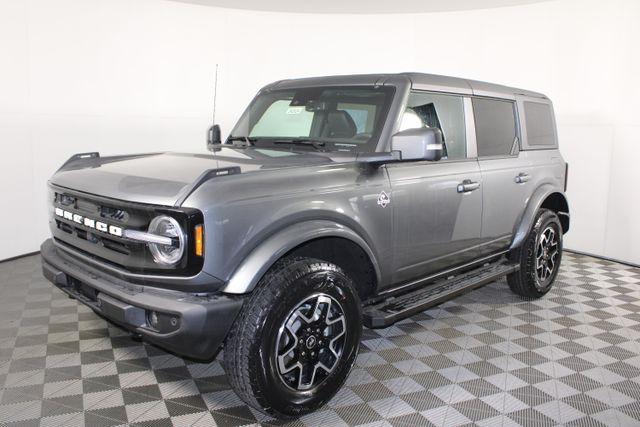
335 118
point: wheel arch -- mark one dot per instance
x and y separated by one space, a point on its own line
322 239
558 203
548 197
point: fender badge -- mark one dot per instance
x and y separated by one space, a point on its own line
383 200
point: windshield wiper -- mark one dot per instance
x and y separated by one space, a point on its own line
248 141
318 145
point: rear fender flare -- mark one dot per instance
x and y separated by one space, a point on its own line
529 215
258 262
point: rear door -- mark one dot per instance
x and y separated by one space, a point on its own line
505 172
436 226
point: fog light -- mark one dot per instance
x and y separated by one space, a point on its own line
153 320
163 323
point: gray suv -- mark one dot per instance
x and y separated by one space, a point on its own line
335 202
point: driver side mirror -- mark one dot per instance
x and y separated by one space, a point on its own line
418 144
213 136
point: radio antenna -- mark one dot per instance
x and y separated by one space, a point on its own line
215 93
213 134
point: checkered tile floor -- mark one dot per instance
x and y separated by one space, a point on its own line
489 358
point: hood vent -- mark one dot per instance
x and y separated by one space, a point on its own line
204 177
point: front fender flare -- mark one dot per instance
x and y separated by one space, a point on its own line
529 214
252 268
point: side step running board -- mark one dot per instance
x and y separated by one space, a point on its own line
393 309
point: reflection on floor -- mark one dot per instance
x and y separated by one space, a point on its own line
489 358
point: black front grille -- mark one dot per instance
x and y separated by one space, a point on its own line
80 232
113 213
119 251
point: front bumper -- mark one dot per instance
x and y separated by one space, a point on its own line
201 321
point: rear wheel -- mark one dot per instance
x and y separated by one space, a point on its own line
296 338
539 257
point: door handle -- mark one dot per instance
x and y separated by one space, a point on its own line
467 186
522 177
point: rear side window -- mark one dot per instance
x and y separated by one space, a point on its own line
496 131
539 124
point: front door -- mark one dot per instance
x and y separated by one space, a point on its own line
437 206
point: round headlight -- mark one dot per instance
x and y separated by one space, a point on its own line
167 227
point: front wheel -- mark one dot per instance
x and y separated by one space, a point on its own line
296 338
539 257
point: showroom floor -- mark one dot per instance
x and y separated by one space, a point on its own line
571 358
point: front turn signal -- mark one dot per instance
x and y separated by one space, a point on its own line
198 232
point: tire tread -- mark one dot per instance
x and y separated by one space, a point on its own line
522 282
244 336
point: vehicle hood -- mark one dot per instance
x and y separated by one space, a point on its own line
166 178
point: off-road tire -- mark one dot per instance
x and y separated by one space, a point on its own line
251 343
525 282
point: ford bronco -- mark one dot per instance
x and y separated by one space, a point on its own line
335 202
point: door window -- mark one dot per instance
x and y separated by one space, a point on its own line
496 131
445 112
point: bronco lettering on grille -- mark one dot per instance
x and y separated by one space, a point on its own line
88 222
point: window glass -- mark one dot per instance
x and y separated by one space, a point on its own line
341 118
363 116
445 112
496 132
283 120
539 123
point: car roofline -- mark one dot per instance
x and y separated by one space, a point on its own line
420 81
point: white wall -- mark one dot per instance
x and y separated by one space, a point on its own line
121 76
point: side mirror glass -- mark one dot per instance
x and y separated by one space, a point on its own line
418 144
213 135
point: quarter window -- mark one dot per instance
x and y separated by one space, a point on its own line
496 131
445 112
539 124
